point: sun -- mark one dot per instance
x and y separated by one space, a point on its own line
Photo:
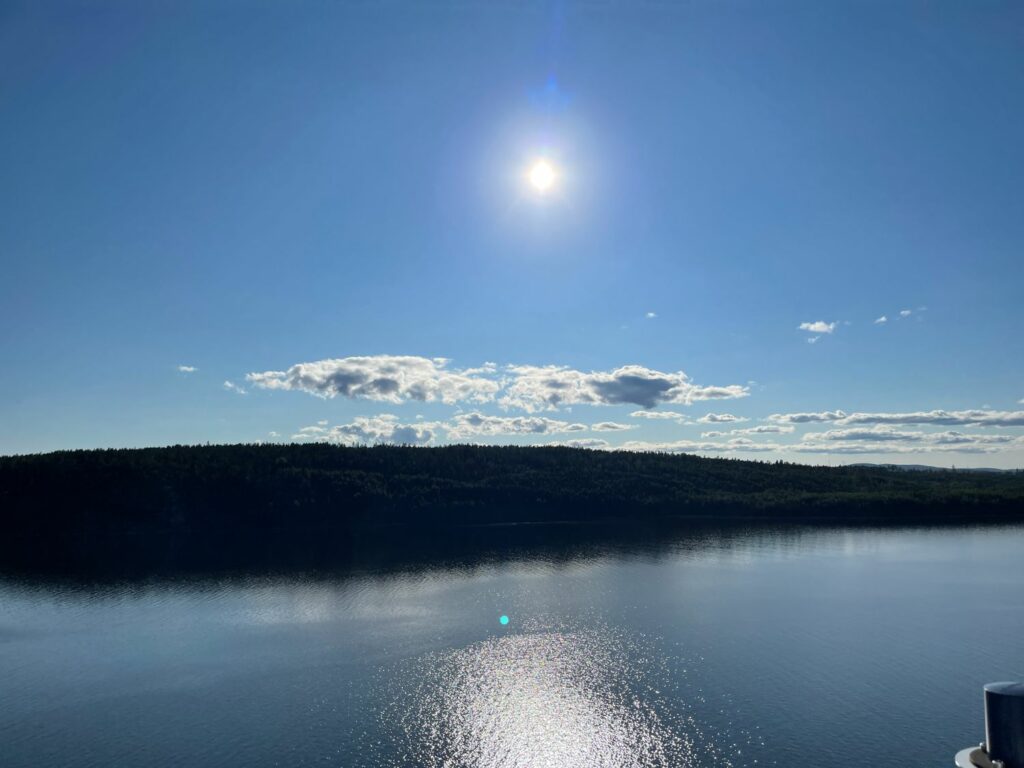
542 176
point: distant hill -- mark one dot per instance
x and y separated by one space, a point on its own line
930 468
73 504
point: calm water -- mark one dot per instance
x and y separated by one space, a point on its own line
828 647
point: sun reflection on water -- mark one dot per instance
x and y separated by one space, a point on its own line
545 699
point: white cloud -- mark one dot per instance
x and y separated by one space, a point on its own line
187 368
611 426
737 445
548 387
230 386
760 429
396 379
465 425
973 418
387 378
651 315
813 339
924 443
805 418
818 326
369 430
592 443
881 320
682 418
719 418
906 312
977 418
273 435
885 439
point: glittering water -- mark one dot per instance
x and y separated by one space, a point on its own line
737 649
544 699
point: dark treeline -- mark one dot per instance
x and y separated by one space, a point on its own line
229 502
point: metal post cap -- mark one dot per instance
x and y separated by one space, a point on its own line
1004 723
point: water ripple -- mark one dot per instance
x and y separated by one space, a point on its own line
555 698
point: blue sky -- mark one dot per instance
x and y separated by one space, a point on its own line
327 206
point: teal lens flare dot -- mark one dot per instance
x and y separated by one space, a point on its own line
503 619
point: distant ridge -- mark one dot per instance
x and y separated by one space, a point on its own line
76 509
929 468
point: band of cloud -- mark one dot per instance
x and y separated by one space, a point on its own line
397 379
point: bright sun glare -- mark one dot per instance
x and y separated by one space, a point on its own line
542 176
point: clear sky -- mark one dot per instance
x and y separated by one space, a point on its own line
231 221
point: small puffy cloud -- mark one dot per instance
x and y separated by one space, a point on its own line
973 418
187 368
760 429
386 378
877 433
591 443
682 418
881 320
883 439
611 426
549 387
369 430
230 386
818 326
719 418
969 418
273 435
736 445
806 418
465 425
906 312
813 339
651 315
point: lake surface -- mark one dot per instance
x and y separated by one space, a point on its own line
755 647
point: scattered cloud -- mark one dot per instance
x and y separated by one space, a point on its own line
737 445
651 315
397 379
887 440
273 435
535 388
813 339
818 326
386 378
760 429
611 426
232 387
969 418
369 430
465 425
906 312
591 443
719 418
682 418
881 320
187 368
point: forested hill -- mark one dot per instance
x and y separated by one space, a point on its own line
197 488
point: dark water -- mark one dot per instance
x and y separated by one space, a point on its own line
742 648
